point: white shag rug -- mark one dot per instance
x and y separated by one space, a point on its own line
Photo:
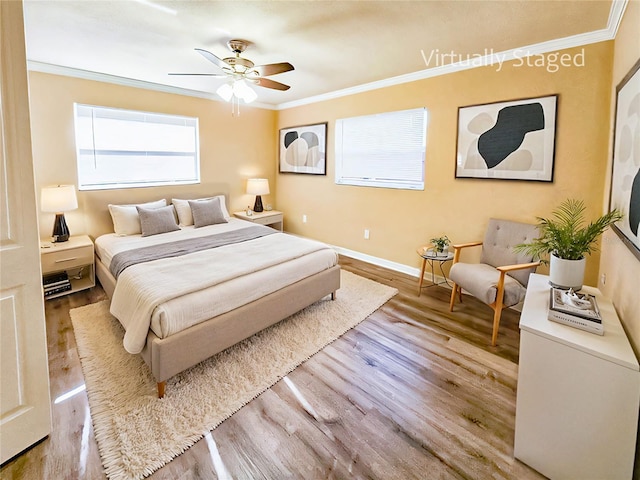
137 433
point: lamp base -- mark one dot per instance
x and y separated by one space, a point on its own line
60 229
257 207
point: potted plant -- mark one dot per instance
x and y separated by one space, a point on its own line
567 241
440 245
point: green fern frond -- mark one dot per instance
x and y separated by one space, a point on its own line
565 233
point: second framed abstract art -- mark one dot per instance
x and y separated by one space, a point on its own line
512 140
303 149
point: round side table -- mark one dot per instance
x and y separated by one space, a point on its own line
428 256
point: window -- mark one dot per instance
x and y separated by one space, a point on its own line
383 150
124 148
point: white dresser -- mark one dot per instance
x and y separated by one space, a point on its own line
578 393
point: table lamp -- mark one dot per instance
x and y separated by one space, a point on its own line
59 199
257 187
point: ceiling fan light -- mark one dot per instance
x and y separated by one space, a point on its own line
250 95
243 91
239 87
225 91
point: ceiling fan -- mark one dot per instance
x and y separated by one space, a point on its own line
239 68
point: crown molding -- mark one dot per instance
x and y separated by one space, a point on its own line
490 58
42 67
616 13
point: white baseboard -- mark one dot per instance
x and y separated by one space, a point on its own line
382 262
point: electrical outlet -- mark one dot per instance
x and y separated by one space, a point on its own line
304 219
366 234
603 278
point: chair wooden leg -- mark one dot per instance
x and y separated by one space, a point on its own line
497 307
161 387
454 288
496 324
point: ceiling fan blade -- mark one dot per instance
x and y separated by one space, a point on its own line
273 68
218 62
218 75
265 82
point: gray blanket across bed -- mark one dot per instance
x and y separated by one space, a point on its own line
178 248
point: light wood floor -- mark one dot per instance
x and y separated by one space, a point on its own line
412 392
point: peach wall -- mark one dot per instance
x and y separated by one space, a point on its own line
621 267
400 220
232 149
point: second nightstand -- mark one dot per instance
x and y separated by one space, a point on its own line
272 218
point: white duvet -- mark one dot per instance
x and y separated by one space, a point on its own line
171 294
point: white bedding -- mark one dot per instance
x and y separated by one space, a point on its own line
172 294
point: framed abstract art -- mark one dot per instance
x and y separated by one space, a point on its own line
625 176
303 149
513 140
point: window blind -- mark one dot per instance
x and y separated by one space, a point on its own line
382 150
123 148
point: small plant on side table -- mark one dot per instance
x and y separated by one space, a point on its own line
440 244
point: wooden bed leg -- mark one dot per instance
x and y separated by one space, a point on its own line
161 386
333 295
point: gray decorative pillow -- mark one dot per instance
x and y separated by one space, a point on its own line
206 212
157 220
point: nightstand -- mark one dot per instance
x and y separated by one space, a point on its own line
73 259
272 218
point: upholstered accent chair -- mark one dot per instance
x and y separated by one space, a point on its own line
500 279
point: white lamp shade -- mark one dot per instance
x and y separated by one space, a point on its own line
225 91
258 186
58 199
243 91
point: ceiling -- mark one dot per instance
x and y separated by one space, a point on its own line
333 45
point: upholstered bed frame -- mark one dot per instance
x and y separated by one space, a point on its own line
169 356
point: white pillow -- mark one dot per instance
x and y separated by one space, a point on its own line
125 217
185 217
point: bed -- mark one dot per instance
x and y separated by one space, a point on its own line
187 294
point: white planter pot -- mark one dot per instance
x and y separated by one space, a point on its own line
566 273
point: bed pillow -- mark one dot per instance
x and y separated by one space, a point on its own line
157 220
185 218
125 217
207 212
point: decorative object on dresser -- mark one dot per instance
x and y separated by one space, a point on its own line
512 140
625 176
500 279
59 199
258 187
578 394
67 267
567 241
576 310
137 433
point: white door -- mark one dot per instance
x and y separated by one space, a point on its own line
25 407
